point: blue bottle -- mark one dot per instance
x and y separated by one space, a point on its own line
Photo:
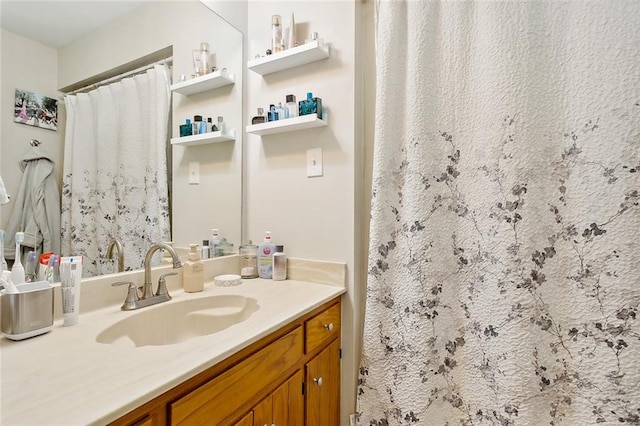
186 129
311 105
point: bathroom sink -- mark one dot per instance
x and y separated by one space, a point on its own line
176 321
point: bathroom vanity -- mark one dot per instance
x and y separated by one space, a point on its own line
290 377
278 363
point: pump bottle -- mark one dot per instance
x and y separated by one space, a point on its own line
265 256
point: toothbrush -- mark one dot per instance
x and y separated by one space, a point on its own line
17 271
30 270
3 262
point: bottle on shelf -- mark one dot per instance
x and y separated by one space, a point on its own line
201 62
260 118
276 34
221 125
282 111
292 106
311 105
272 115
186 129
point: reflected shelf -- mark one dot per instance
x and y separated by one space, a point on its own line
204 139
288 125
290 58
203 83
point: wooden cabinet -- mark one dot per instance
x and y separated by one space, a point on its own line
246 420
285 406
289 378
323 387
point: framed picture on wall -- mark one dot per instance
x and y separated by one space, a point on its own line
35 110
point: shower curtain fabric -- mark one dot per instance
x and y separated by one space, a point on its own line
115 170
504 262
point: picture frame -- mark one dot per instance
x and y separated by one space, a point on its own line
36 110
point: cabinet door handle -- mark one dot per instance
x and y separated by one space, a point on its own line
328 327
318 381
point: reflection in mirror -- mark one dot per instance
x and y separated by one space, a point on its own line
210 198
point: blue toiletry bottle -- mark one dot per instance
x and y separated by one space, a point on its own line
185 129
311 105
265 257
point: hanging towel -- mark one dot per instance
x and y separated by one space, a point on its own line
4 197
36 209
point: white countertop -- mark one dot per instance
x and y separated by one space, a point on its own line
65 377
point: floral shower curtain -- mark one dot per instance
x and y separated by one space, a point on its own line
504 264
115 170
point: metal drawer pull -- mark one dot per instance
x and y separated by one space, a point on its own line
318 381
328 327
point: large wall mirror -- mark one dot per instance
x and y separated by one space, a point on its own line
205 179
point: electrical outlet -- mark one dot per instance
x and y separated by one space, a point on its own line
314 162
194 173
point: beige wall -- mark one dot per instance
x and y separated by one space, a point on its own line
24 64
313 217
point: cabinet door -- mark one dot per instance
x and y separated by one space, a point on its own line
288 402
246 420
263 412
284 407
323 387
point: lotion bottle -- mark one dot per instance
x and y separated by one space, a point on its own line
279 264
265 256
193 274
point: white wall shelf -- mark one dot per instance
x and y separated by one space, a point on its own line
204 139
203 83
287 125
290 58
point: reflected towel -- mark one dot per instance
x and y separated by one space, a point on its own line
4 197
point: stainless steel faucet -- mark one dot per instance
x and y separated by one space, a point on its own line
115 243
147 289
133 300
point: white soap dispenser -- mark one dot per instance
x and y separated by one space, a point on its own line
193 271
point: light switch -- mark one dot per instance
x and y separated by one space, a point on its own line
314 162
194 173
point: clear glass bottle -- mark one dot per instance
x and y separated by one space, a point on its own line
201 60
276 33
292 106
222 127
282 111
197 124
249 255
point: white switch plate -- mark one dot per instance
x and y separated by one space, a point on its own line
314 162
194 173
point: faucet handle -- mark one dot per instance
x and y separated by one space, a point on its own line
132 294
162 284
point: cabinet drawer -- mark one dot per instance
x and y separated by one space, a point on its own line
322 328
221 397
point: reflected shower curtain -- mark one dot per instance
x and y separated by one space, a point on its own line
504 263
115 170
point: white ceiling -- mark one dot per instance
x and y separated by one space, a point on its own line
58 23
